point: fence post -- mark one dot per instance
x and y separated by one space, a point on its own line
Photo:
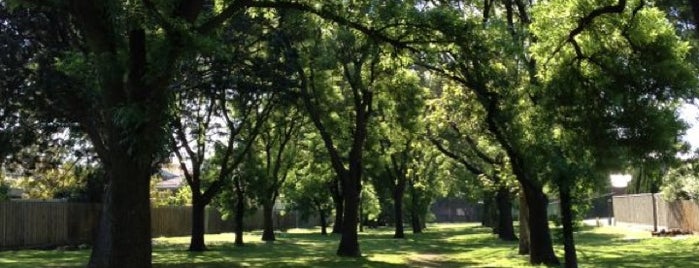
655 212
610 203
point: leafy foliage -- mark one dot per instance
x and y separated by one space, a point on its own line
681 182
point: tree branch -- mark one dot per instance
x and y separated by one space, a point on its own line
470 167
332 16
584 22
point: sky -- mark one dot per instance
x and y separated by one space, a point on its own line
690 114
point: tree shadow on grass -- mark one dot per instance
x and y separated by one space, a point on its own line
649 252
44 258
328 261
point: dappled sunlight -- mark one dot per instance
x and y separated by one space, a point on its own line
44 258
443 245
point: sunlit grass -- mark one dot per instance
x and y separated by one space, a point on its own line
443 245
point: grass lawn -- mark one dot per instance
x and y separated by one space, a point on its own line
443 245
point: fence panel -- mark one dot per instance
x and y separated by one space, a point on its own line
171 221
638 209
31 224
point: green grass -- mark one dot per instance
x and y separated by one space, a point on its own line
444 245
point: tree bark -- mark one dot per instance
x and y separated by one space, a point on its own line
339 209
414 218
198 229
506 231
124 238
541 246
487 217
323 221
268 223
239 216
415 222
493 215
523 223
571 260
398 209
349 243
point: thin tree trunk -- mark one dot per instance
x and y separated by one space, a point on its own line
398 209
268 223
523 223
415 223
239 215
541 246
198 213
323 221
506 231
414 218
571 260
493 215
124 236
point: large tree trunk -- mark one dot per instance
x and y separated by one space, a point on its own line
268 223
523 223
339 210
506 231
540 247
571 260
124 238
489 216
398 208
349 243
198 213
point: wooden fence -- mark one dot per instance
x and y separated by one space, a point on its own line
638 209
34 224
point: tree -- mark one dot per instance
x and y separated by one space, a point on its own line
354 56
15 113
274 159
28 115
458 132
630 96
118 68
399 124
121 98
485 58
222 102
309 189
681 182
426 179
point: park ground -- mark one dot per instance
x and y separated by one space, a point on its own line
442 245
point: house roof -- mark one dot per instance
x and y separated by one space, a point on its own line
171 180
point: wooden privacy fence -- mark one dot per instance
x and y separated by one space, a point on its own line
31 224
638 209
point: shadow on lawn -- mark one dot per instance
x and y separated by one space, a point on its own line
44 258
314 250
440 246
